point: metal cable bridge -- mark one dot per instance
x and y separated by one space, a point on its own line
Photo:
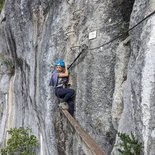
90 143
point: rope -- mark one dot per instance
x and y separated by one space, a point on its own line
119 35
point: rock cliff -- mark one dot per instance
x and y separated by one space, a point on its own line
114 84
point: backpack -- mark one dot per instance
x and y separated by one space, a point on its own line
54 79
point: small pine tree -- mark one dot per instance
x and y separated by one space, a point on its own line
21 142
129 145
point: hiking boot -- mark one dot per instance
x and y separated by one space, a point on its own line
63 106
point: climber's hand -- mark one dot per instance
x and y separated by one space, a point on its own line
65 74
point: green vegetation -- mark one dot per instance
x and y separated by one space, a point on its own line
7 62
21 142
129 145
1 4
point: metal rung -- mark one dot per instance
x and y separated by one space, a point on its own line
73 47
78 11
70 32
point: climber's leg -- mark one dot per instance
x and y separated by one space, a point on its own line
67 95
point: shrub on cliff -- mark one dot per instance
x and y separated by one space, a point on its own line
129 145
7 62
21 142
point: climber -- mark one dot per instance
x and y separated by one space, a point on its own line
59 80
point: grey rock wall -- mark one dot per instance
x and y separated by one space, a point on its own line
114 84
138 90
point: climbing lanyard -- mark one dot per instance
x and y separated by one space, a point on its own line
83 48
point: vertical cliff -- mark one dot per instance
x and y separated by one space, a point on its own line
137 92
114 83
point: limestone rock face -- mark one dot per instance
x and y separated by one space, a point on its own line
138 90
114 83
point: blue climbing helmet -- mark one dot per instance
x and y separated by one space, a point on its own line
60 62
